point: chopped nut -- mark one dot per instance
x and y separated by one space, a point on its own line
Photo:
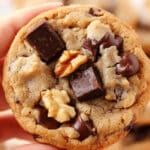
55 101
69 132
96 30
84 117
69 62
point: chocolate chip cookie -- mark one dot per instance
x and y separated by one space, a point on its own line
76 78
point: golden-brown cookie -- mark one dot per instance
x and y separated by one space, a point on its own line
76 78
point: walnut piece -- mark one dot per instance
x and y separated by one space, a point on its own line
96 30
55 101
69 62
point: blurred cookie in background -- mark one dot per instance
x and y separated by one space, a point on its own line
26 3
105 4
137 14
124 10
139 137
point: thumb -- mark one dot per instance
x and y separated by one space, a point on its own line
35 147
11 24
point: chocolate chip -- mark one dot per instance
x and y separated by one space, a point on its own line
95 12
46 41
108 40
43 120
86 84
92 46
128 66
83 127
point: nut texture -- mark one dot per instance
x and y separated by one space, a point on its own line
69 62
55 101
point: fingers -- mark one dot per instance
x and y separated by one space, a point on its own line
9 128
35 147
8 29
10 25
3 103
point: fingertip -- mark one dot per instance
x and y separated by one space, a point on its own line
35 147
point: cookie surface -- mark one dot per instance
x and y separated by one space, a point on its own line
76 77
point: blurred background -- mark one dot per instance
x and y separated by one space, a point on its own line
133 12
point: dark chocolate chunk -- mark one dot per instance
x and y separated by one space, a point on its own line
93 46
108 40
83 127
128 66
138 133
46 41
86 84
95 12
43 120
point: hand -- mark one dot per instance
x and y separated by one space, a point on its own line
9 26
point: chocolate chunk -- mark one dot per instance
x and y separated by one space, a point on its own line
128 66
138 133
95 12
86 84
92 46
83 127
43 120
108 40
46 41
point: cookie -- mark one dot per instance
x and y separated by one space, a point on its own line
76 78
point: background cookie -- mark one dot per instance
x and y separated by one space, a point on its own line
139 136
27 3
83 84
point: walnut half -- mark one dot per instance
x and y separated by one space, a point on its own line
69 61
55 101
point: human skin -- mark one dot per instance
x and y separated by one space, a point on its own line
9 26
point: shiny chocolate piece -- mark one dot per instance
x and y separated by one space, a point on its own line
43 120
92 46
128 66
108 40
86 84
95 12
83 127
45 41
